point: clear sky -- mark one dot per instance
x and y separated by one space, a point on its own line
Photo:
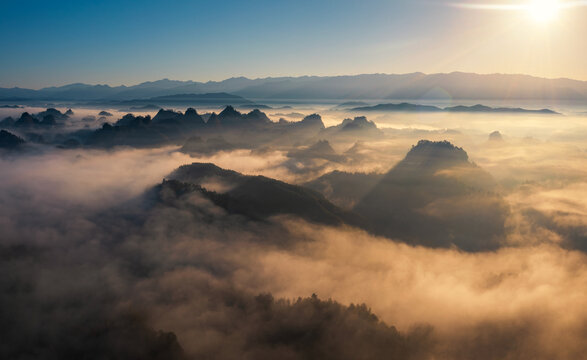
126 42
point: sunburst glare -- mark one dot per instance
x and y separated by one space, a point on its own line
544 11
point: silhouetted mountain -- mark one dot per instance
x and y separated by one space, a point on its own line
169 117
430 156
52 117
356 128
495 137
358 123
256 197
147 107
255 106
403 107
238 130
486 109
9 140
407 107
201 99
198 173
350 104
26 120
231 118
58 115
104 113
131 121
436 197
311 121
369 86
208 99
171 127
47 118
129 130
164 115
257 117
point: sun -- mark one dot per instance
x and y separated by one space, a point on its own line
543 11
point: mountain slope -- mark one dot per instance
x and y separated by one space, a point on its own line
435 197
256 197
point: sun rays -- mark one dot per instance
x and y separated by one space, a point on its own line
540 11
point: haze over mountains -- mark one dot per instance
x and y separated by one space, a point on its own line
433 193
369 86
158 204
172 234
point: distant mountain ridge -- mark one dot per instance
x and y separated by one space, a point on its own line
188 99
456 85
407 107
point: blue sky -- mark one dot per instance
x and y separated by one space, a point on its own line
126 42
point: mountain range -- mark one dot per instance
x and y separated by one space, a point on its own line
200 134
435 197
455 85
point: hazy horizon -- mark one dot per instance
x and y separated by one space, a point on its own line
114 84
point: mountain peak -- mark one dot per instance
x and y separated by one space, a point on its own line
313 119
190 112
229 111
196 172
358 123
435 154
257 115
163 115
415 201
495 137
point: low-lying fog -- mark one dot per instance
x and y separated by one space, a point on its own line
98 259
